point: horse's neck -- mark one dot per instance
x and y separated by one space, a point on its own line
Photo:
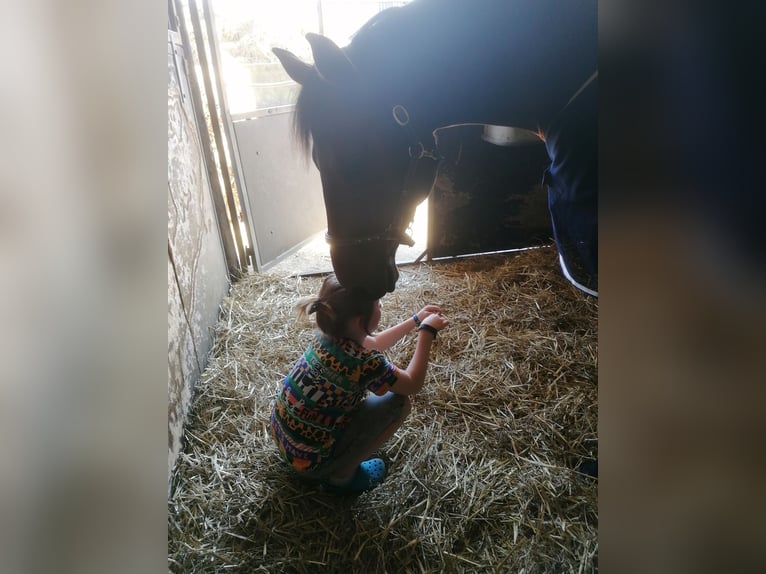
513 63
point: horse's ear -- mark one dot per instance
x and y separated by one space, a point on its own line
331 62
297 69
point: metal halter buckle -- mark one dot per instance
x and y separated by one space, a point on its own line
401 115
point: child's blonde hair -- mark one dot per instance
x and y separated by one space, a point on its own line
335 306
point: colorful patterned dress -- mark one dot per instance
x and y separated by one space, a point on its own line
319 396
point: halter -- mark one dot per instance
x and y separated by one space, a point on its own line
389 234
417 152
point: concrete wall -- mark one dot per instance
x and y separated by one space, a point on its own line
197 275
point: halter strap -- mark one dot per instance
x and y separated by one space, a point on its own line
416 148
388 235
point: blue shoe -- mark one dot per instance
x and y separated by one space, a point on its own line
369 475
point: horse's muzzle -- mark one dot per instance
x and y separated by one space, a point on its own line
370 271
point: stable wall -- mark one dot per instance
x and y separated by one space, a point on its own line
197 275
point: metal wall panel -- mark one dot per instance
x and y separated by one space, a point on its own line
284 192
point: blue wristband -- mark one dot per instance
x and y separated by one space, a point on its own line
417 321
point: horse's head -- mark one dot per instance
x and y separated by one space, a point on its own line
373 167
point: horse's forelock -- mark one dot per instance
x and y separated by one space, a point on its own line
302 122
316 104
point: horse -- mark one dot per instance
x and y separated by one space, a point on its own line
369 115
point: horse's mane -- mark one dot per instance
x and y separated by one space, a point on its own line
381 16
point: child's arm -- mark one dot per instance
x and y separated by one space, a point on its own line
410 380
385 339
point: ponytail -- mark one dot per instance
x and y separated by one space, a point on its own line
310 305
335 307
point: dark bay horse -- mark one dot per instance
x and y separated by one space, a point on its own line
369 113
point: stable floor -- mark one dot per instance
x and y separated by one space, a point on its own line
492 471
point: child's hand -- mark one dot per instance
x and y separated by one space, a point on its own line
436 321
428 310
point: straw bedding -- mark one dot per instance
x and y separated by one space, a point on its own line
484 476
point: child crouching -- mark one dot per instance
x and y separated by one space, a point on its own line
343 399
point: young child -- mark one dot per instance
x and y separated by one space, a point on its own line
324 420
